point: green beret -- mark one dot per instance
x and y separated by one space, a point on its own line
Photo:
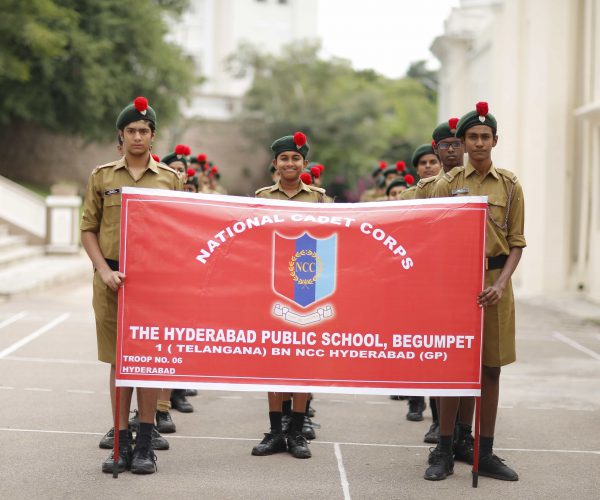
172 157
400 181
423 149
137 110
445 130
480 116
296 142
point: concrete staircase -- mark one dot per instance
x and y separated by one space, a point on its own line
25 267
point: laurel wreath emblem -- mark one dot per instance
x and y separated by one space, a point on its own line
292 267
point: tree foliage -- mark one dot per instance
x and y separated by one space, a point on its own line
72 65
352 118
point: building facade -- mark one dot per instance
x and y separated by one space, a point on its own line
537 64
212 30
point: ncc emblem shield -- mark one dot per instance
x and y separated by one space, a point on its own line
304 268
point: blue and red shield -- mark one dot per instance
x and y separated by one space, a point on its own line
304 268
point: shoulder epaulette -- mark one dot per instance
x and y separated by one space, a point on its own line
318 189
449 176
109 164
262 189
166 167
508 174
412 188
422 182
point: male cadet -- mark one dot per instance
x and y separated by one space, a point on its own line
372 194
177 160
448 149
504 245
427 164
100 234
289 158
398 186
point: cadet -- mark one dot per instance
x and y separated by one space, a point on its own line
449 150
398 186
100 234
427 164
289 158
375 192
503 248
177 160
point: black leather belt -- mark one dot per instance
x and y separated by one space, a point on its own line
113 264
495 262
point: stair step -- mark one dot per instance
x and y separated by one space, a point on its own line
8 241
42 272
12 256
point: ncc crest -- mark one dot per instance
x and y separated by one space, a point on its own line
304 272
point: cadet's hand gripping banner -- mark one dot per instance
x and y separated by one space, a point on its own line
224 292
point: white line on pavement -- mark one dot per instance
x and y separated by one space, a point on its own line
343 477
78 391
12 319
576 345
6 387
38 333
221 438
55 360
37 389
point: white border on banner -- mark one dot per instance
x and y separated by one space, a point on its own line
299 388
246 200
252 204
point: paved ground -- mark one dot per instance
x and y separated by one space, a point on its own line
55 409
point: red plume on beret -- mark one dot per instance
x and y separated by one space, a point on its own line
156 158
191 172
321 167
433 144
482 108
306 178
141 104
400 166
453 122
409 179
382 164
180 149
201 158
299 139
214 170
188 151
316 171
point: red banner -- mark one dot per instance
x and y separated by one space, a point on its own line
224 292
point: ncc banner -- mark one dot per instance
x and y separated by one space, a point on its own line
225 292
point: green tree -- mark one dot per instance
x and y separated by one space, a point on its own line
352 118
68 65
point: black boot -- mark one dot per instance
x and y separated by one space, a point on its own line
433 434
179 402
298 446
164 422
492 466
271 443
144 459
125 454
463 444
416 406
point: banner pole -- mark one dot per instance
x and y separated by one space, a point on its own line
116 428
476 444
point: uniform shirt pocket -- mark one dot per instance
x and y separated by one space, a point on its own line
497 210
112 209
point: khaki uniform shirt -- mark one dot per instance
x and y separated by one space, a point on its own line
369 195
409 194
506 207
102 204
306 193
425 187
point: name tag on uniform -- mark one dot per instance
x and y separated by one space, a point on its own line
112 191
463 190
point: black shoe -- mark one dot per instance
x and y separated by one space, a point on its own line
143 461
134 422
108 440
124 462
271 443
433 434
298 446
164 422
310 411
308 429
441 465
179 403
493 466
159 442
463 448
416 406
397 398
286 423
191 392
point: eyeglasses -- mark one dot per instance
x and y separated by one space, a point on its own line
446 145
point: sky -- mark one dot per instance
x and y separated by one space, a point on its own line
384 35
